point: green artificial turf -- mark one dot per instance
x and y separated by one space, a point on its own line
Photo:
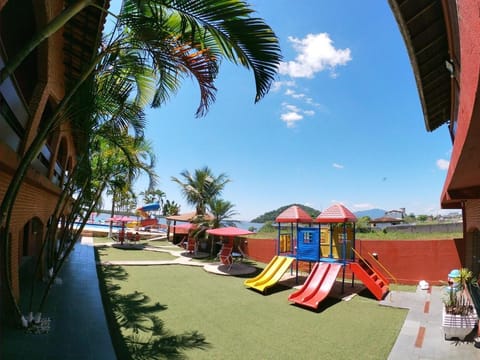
239 323
109 253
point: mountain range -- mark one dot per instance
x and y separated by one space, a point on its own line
372 213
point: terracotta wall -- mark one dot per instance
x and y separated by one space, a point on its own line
35 199
262 250
409 261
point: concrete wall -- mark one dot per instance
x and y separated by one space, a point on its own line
443 228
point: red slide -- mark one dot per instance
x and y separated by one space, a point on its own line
317 286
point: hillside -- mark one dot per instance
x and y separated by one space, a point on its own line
272 215
371 213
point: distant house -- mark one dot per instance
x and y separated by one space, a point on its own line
397 214
391 217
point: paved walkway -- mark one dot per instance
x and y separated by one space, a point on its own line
421 336
183 257
78 327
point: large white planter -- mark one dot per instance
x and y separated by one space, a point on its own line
458 326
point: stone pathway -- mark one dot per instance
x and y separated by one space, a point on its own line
182 258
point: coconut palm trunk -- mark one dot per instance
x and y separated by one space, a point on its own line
174 38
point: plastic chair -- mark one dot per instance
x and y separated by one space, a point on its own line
182 242
225 255
191 245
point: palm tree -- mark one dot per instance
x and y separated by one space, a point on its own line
154 46
109 154
201 187
170 208
191 37
158 43
153 195
222 212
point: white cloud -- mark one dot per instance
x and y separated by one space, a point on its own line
315 53
277 85
290 118
291 108
292 114
301 96
294 94
443 164
337 166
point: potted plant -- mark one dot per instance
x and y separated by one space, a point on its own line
459 315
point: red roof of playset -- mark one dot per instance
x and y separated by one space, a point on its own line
336 213
294 214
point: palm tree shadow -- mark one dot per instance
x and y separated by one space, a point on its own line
136 330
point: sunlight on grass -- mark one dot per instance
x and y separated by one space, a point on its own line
242 324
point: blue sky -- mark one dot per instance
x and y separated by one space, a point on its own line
342 124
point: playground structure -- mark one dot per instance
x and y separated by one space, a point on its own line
147 221
330 246
271 274
286 246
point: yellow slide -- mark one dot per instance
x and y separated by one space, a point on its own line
271 274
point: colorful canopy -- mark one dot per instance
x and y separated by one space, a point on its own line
336 213
150 207
294 214
229 231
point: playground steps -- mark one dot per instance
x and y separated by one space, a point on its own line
374 281
271 274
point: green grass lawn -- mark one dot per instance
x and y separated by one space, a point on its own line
109 253
209 316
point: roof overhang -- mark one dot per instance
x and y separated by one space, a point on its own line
82 38
426 35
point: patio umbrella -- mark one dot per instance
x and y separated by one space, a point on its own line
126 219
229 231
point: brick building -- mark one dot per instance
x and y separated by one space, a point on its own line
28 97
443 42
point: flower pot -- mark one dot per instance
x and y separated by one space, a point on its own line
458 326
